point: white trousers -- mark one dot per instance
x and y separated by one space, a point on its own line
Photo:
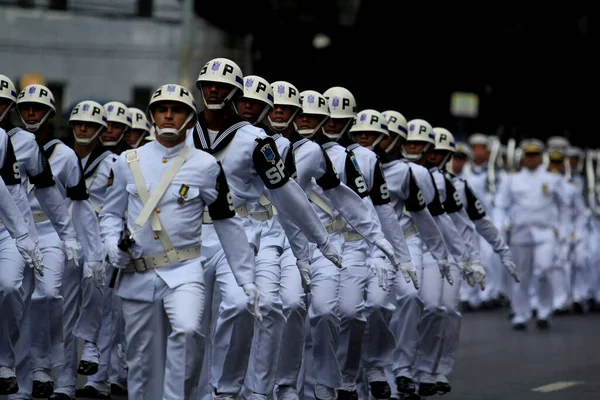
165 367
295 311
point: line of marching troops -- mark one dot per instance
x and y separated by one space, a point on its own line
275 244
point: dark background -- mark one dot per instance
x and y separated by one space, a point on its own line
535 75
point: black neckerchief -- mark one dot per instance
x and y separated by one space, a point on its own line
95 158
225 135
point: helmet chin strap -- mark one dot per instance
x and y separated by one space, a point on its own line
170 134
392 145
308 133
137 142
280 126
6 111
112 143
415 157
376 142
263 114
445 160
35 127
337 136
222 104
87 141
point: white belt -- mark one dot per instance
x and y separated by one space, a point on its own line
242 211
146 263
337 225
39 217
412 231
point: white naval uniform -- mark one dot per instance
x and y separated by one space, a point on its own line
163 306
497 281
47 346
535 203
251 162
34 168
84 305
365 306
418 318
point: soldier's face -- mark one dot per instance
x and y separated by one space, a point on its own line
85 130
436 157
366 139
532 160
458 163
557 166
414 147
308 121
480 153
249 109
170 115
114 131
215 92
281 114
32 113
573 161
133 136
335 125
4 104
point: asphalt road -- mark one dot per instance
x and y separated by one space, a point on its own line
497 363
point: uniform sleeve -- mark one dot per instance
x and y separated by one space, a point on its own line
454 241
354 177
87 228
379 192
430 234
562 198
392 231
10 215
113 211
415 200
309 164
328 178
435 206
54 206
76 189
268 164
502 203
10 172
228 226
298 241
492 235
473 205
36 164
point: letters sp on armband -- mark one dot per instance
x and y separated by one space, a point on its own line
222 207
416 200
475 209
379 194
268 164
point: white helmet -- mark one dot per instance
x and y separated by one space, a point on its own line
7 91
313 103
285 94
257 88
176 93
558 143
370 121
139 122
88 111
119 113
479 139
396 124
221 70
464 148
341 105
444 141
39 94
419 130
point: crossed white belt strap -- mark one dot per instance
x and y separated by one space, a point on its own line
337 224
171 256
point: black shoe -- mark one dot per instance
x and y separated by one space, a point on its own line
561 311
534 313
443 388
519 327
466 307
543 324
347 395
405 385
427 389
579 308
9 385
413 396
510 316
117 390
380 390
87 368
42 389
90 392
60 396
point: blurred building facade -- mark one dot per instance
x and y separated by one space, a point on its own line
104 49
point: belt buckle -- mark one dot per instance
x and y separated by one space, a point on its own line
139 265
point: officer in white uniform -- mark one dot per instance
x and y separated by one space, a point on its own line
534 203
251 162
47 344
369 129
119 123
140 128
83 299
164 188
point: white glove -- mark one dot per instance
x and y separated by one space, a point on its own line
388 250
95 271
384 274
330 253
305 274
409 273
445 271
31 253
117 257
72 249
253 299
511 267
479 274
466 270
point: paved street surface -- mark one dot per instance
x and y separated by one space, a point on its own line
497 363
